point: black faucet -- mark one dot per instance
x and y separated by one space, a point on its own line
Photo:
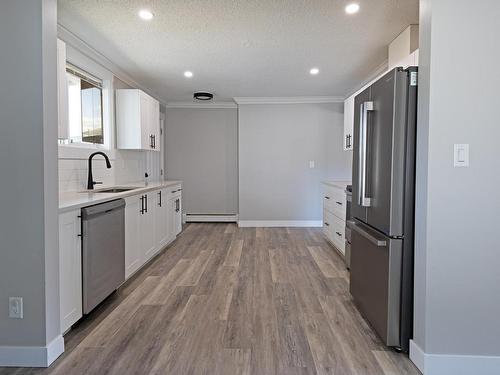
90 181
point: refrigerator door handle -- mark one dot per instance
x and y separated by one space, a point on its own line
374 240
364 201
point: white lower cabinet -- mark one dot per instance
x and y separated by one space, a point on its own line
161 217
348 123
133 259
147 236
151 223
334 214
70 269
175 212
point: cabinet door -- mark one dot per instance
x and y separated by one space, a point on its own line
348 123
133 259
178 216
161 218
70 269
155 124
171 219
174 217
147 228
145 109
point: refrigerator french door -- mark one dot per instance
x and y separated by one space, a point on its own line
381 277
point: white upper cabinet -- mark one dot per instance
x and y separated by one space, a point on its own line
403 51
410 60
137 120
348 123
402 47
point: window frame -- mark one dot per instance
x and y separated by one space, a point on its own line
77 73
83 150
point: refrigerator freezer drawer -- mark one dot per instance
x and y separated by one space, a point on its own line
375 280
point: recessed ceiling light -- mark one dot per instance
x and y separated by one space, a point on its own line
146 14
314 71
188 74
352 8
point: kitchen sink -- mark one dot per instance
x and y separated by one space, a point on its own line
115 190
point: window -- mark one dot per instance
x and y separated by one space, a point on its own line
85 107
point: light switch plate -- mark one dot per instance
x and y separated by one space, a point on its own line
311 164
16 307
461 155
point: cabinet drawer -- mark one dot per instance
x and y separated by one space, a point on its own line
174 191
334 200
334 230
338 234
328 219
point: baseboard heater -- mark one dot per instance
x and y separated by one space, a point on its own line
210 218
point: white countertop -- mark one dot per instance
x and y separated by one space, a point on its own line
338 184
73 200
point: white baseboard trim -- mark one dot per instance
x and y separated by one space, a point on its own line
451 364
417 356
31 356
279 223
194 218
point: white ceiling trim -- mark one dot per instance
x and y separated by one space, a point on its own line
74 41
288 100
201 105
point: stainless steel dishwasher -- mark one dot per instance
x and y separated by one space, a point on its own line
103 251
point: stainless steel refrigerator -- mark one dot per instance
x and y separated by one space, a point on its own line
383 196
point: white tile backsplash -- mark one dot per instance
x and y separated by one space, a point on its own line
126 167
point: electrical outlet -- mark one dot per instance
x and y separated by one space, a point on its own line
15 307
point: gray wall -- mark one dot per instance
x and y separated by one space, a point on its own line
202 151
276 143
28 165
457 278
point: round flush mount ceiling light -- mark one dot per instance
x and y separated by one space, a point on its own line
352 8
146 15
203 96
314 71
188 74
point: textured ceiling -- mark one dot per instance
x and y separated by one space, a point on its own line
241 47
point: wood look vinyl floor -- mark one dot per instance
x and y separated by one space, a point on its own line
228 300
